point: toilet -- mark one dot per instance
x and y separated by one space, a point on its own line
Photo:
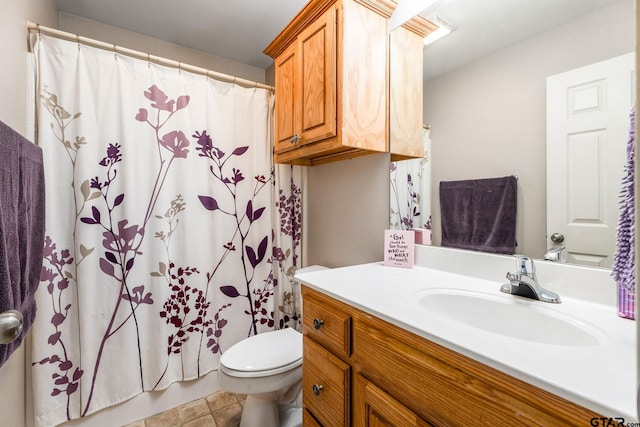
266 367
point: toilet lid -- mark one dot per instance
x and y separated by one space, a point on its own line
265 351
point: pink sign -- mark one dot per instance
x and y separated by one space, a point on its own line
398 248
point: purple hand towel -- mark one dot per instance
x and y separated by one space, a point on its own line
623 269
22 227
479 214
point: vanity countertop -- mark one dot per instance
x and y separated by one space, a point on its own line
600 377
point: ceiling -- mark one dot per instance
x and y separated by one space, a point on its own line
234 29
240 29
487 26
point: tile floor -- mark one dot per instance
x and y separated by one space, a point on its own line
221 409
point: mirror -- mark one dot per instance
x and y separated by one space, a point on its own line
410 193
485 95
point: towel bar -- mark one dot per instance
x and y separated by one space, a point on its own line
11 322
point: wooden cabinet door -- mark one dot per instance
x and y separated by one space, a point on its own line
287 104
372 407
405 95
317 59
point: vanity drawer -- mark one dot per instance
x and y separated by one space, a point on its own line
326 323
325 385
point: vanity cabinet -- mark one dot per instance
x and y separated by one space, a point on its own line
332 82
363 371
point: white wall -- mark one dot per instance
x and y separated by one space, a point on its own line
14 53
348 210
118 36
14 112
488 118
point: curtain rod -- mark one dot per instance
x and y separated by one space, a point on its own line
144 56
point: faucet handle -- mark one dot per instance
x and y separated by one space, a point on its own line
554 254
524 265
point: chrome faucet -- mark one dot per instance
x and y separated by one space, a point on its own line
554 254
523 282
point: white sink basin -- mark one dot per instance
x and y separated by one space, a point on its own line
510 316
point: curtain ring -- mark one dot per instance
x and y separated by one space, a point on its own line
148 60
235 79
78 41
115 52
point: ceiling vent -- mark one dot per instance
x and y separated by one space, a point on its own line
444 27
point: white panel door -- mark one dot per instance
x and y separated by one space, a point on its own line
587 131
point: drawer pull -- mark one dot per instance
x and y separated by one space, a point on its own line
317 388
295 138
317 323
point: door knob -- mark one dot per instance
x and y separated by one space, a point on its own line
557 237
295 138
11 323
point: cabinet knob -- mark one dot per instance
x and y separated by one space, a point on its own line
317 388
295 138
317 323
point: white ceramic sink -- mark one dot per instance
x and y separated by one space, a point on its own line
509 316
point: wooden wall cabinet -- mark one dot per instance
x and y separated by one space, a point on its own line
332 83
406 46
360 370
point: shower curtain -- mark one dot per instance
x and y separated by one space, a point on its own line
170 233
410 191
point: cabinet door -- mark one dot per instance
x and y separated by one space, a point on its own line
372 407
287 107
317 59
308 420
405 94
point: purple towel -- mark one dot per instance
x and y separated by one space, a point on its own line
479 214
623 269
22 222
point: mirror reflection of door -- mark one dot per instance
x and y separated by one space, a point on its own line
587 131
410 193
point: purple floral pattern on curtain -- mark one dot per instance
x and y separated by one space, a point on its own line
243 218
410 192
176 247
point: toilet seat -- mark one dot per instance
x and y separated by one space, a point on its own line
265 354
